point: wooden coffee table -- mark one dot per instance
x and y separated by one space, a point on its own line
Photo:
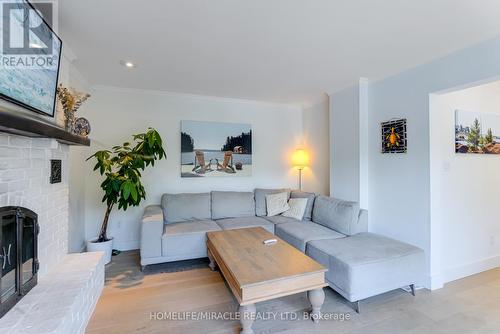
256 272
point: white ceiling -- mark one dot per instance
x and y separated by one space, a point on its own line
272 50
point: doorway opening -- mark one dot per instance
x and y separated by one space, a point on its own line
465 181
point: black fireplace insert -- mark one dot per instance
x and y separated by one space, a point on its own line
18 254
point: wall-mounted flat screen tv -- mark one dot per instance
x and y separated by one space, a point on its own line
30 54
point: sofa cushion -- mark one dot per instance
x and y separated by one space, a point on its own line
260 199
297 208
367 264
197 226
310 201
276 203
281 220
339 215
185 207
298 234
186 240
232 204
245 222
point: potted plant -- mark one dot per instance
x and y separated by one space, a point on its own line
122 166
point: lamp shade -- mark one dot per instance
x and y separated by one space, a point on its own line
300 158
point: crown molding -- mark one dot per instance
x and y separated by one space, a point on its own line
192 96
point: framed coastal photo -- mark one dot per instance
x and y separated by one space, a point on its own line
477 133
213 149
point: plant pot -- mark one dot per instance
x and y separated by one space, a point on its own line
106 247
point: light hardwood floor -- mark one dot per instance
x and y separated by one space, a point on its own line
470 305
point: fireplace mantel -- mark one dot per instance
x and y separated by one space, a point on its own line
21 124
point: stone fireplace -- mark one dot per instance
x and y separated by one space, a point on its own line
25 182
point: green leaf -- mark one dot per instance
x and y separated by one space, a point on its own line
126 190
133 192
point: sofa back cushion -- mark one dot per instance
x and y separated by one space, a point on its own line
277 203
186 206
310 201
341 216
260 199
232 204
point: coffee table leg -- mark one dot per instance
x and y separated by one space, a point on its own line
247 316
212 264
316 298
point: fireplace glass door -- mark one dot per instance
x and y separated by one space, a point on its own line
29 265
8 255
18 255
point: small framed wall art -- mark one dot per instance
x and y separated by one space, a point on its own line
394 136
55 171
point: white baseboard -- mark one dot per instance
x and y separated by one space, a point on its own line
452 274
435 282
126 245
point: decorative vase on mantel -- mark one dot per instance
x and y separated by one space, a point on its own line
70 100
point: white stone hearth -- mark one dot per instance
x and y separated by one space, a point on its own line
63 300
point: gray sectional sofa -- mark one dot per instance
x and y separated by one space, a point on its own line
333 232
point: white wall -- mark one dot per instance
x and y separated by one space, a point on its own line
116 114
344 144
349 143
77 234
70 77
399 184
465 188
315 118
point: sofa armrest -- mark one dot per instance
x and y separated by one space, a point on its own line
362 225
151 231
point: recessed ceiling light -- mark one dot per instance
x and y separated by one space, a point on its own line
128 64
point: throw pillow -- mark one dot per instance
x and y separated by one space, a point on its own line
297 208
277 203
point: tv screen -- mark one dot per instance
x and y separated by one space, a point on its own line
30 56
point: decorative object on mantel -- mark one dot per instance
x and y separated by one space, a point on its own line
394 136
300 160
70 100
122 167
82 127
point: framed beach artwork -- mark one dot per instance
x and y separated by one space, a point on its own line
213 149
477 133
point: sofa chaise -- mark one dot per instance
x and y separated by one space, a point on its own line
333 232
